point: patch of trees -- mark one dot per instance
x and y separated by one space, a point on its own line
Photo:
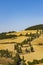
4 36
5 53
40 27
11 31
33 35
22 61
40 44
24 42
17 60
34 62
18 48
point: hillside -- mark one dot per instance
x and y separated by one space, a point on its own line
9 40
35 27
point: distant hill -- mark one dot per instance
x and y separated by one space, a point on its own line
8 32
40 27
11 31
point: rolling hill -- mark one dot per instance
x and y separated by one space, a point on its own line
9 39
35 27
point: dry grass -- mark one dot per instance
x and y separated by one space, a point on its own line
17 40
4 61
38 54
7 43
39 64
38 40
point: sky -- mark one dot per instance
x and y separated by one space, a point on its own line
16 15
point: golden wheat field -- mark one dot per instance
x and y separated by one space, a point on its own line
38 40
9 43
22 32
16 40
38 54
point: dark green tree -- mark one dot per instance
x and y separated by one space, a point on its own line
23 61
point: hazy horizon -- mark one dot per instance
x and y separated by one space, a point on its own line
16 15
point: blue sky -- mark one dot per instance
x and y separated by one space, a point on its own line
16 15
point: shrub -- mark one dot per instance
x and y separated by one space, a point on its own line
21 35
29 63
20 50
5 53
23 61
32 49
27 50
30 43
27 34
41 61
35 62
40 44
24 42
17 59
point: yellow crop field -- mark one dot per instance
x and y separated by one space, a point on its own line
17 40
22 32
10 47
9 43
38 54
38 40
